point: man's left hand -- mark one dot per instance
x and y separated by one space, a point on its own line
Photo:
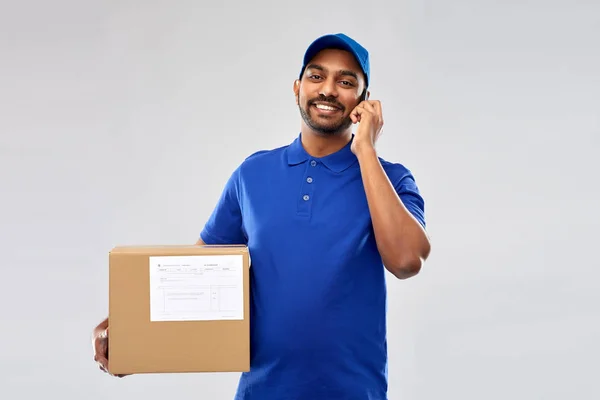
368 114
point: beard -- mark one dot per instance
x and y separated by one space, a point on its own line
326 126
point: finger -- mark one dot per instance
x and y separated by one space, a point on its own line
101 343
368 106
358 110
366 111
378 108
103 368
356 113
102 362
373 108
353 117
100 351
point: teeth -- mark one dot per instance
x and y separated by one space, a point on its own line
324 107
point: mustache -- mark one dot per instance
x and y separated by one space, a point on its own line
327 100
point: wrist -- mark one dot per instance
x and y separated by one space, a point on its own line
363 151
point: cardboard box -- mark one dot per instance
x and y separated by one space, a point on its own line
179 309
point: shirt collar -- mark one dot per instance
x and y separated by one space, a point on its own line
337 162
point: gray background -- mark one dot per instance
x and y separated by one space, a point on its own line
121 120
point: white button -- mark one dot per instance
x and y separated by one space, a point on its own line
306 197
309 179
313 163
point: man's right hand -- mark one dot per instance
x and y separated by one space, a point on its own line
100 346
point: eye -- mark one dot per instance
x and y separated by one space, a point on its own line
347 83
314 77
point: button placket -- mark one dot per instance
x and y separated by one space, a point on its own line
307 191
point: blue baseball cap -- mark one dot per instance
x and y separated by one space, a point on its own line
343 42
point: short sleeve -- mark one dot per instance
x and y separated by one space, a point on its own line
409 193
224 226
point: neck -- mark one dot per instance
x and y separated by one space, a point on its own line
321 145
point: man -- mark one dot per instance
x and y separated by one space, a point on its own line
322 217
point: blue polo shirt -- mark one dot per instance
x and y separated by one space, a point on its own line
318 294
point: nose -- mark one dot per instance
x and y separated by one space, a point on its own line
328 88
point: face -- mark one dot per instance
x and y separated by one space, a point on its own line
328 91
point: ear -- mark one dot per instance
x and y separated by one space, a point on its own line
296 90
368 95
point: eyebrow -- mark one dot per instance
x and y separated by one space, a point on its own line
344 72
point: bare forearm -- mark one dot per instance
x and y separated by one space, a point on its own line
401 240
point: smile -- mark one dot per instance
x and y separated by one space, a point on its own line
326 108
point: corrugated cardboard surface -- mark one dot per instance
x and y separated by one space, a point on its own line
138 345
